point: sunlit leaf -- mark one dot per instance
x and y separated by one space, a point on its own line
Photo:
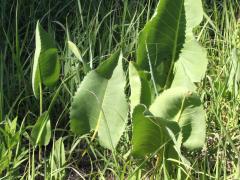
140 88
100 104
184 107
161 40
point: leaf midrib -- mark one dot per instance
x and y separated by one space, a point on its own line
175 45
101 113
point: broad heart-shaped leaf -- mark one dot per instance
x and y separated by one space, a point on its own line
46 66
41 132
182 106
140 88
234 76
100 103
161 40
151 134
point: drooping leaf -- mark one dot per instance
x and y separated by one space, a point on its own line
100 104
184 107
41 132
75 50
140 88
46 66
151 133
162 39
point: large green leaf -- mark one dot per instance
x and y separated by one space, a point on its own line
167 46
184 107
162 39
100 104
150 133
192 63
46 66
41 132
140 89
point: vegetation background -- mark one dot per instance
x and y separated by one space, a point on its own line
96 27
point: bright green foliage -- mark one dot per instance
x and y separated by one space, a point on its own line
10 138
236 36
41 131
161 40
234 76
184 107
140 88
168 49
192 63
100 104
58 159
194 13
181 79
75 50
167 46
46 66
151 133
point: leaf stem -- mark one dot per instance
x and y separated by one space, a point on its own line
151 71
41 99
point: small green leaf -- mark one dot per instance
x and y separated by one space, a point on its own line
183 106
75 50
100 103
150 133
77 53
49 73
41 132
46 66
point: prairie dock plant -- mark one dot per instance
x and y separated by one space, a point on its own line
105 89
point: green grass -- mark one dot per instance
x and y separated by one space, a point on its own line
97 27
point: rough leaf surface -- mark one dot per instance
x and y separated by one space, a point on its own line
100 103
184 107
